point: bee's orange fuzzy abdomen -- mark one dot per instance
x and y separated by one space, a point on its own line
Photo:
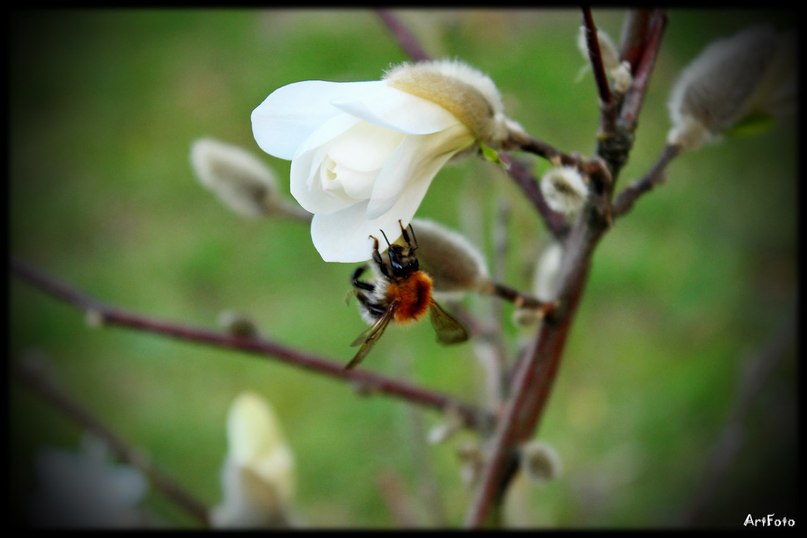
414 296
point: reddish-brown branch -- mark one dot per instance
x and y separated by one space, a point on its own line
526 181
595 56
367 382
403 36
641 75
46 387
624 202
535 376
634 36
536 372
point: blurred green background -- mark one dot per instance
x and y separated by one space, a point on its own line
684 292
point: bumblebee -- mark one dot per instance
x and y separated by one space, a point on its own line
402 292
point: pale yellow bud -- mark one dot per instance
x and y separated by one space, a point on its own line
258 475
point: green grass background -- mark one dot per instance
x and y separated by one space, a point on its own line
104 106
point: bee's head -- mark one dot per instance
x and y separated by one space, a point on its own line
402 258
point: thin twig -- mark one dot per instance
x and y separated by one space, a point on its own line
365 381
634 36
498 381
634 98
403 36
547 151
654 177
520 300
595 56
428 487
396 498
526 181
44 385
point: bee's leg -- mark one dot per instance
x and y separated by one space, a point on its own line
377 257
375 309
358 284
405 235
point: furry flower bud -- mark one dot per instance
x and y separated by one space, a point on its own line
454 264
241 181
619 71
545 282
539 461
564 189
732 80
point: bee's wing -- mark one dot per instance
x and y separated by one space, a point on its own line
370 335
449 330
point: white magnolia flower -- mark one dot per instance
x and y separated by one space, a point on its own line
85 490
363 154
733 79
258 474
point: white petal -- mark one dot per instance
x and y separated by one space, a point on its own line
290 114
417 157
305 167
395 109
344 236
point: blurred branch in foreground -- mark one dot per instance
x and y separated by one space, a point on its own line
756 369
36 377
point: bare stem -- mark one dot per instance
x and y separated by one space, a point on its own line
520 300
654 177
634 36
595 56
641 75
526 181
536 372
535 376
366 382
402 35
45 386
547 151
